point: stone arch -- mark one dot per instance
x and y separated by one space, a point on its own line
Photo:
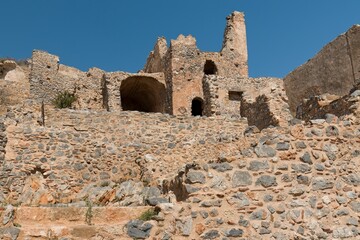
143 94
210 68
197 107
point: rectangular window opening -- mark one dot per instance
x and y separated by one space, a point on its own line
235 95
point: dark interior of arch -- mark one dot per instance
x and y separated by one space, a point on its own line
143 94
197 107
210 67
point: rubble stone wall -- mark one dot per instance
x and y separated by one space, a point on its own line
82 147
48 78
224 96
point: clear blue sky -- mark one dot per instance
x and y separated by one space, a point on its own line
119 34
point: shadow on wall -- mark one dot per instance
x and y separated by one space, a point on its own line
258 113
143 94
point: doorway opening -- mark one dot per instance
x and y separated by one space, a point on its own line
197 106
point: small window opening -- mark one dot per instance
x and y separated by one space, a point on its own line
210 68
235 95
197 107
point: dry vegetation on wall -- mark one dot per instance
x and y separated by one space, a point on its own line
64 99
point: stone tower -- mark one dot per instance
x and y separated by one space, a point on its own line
234 44
185 66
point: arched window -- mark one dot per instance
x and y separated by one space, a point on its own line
197 107
210 68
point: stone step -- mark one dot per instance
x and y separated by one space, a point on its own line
74 222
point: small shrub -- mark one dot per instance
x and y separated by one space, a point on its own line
105 184
147 215
18 225
89 213
64 100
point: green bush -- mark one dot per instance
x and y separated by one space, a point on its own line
147 215
64 100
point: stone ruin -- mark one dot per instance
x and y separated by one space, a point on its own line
190 147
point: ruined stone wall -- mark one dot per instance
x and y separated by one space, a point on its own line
188 65
139 92
187 74
224 96
334 70
14 83
234 49
48 78
77 148
298 182
184 65
95 89
156 60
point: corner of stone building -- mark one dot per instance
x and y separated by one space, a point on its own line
43 57
155 60
335 69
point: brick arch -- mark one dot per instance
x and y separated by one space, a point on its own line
143 94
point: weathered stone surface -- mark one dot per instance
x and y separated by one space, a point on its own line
355 206
8 214
184 226
320 183
212 234
221 167
266 181
265 151
233 232
241 178
306 158
9 232
330 71
258 165
343 232
153 201
195 177
259 215
353 179
332 131
240 199
283 146
138 229
301 168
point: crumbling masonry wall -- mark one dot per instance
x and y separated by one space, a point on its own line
14 83
226 96
184 64
298 181
95 89
48 78
335 70
77 148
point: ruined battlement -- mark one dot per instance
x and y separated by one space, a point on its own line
171 82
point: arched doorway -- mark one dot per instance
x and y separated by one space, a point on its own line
197 107
143 94
210 68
